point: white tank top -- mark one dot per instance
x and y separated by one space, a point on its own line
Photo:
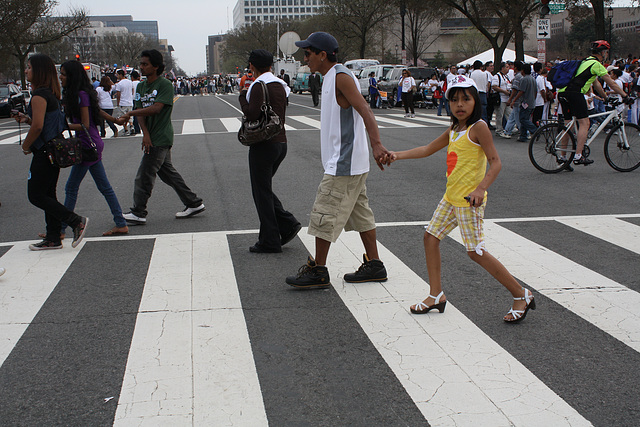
343 136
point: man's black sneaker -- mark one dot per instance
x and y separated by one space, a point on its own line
45 245
78 231
310 276
582 161
370 271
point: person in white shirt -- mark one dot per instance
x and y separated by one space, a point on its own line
106 103
135 79
488 70
501 83
453 72
479 76
408 85
124 97
541 93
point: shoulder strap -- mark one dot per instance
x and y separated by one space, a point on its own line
265 93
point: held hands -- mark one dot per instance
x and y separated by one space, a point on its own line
123 119
21 118
381 155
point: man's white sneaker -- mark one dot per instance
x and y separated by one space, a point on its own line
188 212
133 219
413 116
2 271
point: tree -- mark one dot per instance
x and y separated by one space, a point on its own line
125 48
357 20
469 43
29 23
498 21
419 15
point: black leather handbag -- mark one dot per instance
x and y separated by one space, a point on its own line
266 127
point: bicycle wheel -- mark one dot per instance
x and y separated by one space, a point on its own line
544 152
620 156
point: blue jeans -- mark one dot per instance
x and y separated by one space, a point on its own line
525 123
514 119
440 105
483 103
99 176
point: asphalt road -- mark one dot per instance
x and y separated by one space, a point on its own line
72 322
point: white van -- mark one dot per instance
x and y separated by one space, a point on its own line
358 64
379 70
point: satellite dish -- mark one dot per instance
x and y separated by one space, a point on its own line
287 43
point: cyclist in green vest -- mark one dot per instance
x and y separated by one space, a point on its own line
572 98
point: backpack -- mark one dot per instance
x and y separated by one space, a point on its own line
561 74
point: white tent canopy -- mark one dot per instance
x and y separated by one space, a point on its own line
487 55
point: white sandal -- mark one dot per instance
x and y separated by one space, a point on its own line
422 308
519 315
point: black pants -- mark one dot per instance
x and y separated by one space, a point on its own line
41 189
275 221
407 102
373 100
158 163
315 97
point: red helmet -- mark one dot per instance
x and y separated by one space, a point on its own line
600 45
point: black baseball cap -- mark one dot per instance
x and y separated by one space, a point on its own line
261 58
321 41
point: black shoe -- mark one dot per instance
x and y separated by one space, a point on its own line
582 161
310 276
289 237
260 250
45 245
370 271
78 231
568 168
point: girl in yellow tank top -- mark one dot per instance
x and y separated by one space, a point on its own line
469 147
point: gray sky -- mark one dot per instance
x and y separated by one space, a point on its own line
185 24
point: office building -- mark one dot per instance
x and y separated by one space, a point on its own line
247 11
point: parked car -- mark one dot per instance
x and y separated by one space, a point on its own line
11 98
379 70
389 83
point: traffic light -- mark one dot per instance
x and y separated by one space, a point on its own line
544 8
77 57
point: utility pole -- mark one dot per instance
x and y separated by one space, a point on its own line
403 11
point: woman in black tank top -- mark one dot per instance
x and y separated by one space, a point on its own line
46 119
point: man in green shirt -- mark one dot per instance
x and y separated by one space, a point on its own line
572 98
153 103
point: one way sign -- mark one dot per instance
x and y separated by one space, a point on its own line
544 28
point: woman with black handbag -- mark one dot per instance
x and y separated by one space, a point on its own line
82 109
277 226
46 119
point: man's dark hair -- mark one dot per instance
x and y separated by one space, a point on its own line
502 65
331 57
526 68
477 65
121 72
155 58
537 67
488 64
517 65
135 75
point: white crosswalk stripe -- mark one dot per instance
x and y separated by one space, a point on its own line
190 360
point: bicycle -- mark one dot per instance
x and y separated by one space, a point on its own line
621 146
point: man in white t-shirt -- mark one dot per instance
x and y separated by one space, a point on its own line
124 97
135 79
341 200
488 70
453 72
541 92
480 78
502 85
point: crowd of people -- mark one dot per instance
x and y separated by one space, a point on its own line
520 97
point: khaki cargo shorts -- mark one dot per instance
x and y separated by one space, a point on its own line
341 203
